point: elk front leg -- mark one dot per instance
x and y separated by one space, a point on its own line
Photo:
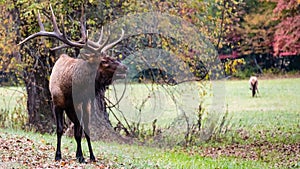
92 157
78 135
86 119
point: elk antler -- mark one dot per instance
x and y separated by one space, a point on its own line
84 42
111 45
56 33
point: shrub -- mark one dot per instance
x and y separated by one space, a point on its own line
13 109
233 66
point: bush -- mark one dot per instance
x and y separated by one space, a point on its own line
13 108
232 66
245 73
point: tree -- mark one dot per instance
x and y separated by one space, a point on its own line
287 37
256 30
8 56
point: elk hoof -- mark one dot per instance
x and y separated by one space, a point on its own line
81 159
92 159
57 157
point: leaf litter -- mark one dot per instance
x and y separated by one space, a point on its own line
22 152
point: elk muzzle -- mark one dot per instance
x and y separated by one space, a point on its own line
120 72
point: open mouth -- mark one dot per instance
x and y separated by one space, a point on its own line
121 72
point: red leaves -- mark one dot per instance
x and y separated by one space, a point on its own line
284 5
287 36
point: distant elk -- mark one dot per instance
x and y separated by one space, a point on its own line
253 82
79 77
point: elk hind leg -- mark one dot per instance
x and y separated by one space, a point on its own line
59 130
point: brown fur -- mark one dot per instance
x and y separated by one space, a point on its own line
73 83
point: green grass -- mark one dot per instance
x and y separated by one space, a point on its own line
277 104
276 108
275 95
130 156
276 113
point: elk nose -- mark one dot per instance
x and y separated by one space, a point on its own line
124 68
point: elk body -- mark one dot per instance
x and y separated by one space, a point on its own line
73 82
253 82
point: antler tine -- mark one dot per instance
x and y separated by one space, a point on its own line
41 33
84 35
83 32
113 43
55 27
40 22
60 47
104 43
96 46
64 35
55 34
101 35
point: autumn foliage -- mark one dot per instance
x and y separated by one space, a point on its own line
287 34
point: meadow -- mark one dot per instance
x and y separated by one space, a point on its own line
262 132
276 107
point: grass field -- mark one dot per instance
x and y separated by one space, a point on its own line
276 108
267 127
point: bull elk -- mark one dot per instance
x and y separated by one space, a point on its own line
71 75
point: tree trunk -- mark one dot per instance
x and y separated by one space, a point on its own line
37 65
100 125
256 64
39 106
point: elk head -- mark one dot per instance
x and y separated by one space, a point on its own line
109 70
